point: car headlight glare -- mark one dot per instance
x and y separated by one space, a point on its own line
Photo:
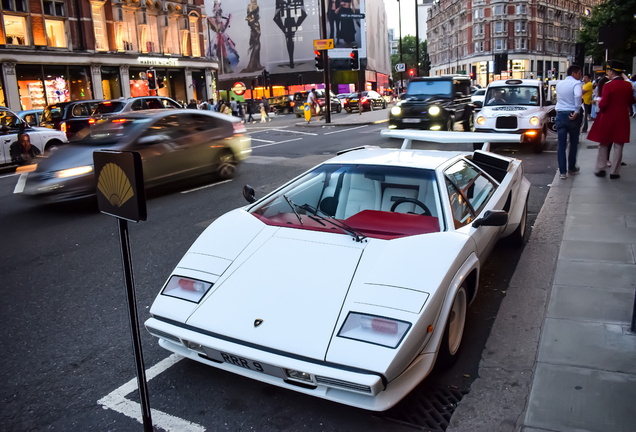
481 120
396 110
186 289
372 329
72 172
534 121
434 110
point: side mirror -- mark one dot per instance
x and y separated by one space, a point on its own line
459 94
478 104
249 194
492 218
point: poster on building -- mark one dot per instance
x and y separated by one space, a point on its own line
346 26
377 47
248 36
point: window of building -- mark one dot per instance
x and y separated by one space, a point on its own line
80 83
520 26
152 37
539 29
521 9
100 27
111 84
127 33
500 44
498 27
170 34
539 45
521 43
479 47
194 38
184 42
14 5
55 33
54 8
499 10
550 14
15 30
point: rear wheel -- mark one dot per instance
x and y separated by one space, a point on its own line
51 146
454 331
227 165
339 109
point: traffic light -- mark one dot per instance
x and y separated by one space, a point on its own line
411 73
319 61
355 61
473 72
152 79
265 78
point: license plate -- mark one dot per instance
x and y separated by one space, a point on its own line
245 363
411 120
354 100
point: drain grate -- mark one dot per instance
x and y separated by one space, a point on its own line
429 408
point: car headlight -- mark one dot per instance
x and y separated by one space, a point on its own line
72 172
387 332
534 121
481 120
396 110
433 110
186 289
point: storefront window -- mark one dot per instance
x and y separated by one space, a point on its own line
111 85
81 87
198 85
176 79
138 85
3 101
56 84
30 87
194 38
15 30
100 27
152 38
127 40
55 34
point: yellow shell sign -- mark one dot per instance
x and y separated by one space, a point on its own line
114 184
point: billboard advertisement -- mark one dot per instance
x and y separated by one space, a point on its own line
377 40
346 26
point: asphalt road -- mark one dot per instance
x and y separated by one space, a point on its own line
66 341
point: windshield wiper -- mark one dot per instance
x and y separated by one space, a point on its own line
293 207
356 234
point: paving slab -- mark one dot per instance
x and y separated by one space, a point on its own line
601 233
606 275
588 344
582 219
591 304
601 209
570 399
596 251
599 197
630 221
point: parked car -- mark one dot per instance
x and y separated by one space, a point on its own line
69 117
11 125
301 97
32 117
477 98
370 100
106 109
282 104
435 103
519 107
174 144
252 295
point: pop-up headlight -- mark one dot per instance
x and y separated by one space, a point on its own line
387 332
186 289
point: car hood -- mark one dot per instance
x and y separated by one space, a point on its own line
68 156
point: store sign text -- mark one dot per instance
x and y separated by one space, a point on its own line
158 61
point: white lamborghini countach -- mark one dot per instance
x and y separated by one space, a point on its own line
352 280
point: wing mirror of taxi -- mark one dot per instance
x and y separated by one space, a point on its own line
547 103
492 218
249 194
478 104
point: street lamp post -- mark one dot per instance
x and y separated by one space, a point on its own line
417 39
400 30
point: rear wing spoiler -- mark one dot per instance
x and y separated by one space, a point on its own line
450 137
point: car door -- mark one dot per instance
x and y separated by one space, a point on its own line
9 129
158 146
205 140
80 114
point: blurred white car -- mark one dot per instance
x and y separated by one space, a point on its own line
478 96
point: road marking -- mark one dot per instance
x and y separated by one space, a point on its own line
116 400
275 143
19 187
296 132
265 160
8 175
262 140
344 130
265 129
206 186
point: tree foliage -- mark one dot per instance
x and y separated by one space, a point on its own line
408 57
620 16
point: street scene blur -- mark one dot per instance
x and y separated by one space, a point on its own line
318 215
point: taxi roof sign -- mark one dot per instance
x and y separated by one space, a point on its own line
323 44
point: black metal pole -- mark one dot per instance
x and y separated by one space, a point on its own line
633 327
417 39
134 323
400 29
325 62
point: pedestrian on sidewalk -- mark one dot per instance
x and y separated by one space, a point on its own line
568 120
263 111
265 103
239 112
613 125
588 88
250 111
312 100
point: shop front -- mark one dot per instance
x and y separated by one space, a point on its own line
41 85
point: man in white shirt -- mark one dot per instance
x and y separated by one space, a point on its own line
568 119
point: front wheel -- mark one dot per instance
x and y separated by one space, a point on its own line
339 109
51 146
454 331
227 165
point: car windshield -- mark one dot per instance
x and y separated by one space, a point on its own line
109 132
52 113
109 107
479 92
429 88
376 201
512 95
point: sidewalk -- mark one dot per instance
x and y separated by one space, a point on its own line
560 356
354 119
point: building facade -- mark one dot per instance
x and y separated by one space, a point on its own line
539 36
55 51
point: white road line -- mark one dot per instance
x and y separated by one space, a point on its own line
8 175
296 132
345 130
275 143
206 186
262 140
116 400
265 129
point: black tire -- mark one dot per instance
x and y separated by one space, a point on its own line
52 146
348 111
448 355
339 109
298 116
516 238
469 123
226 168
540 144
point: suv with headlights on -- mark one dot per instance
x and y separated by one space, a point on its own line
517 106
434 103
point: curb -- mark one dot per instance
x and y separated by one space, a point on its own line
316 125
8 169
498 399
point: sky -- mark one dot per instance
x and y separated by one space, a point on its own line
408 17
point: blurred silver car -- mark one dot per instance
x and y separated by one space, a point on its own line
174 145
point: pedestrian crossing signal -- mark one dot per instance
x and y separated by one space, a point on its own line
319 61
355 61
152 79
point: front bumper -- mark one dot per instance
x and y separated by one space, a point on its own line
422 123
48 189
338 383
530 135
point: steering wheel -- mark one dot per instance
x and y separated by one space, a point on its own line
399 201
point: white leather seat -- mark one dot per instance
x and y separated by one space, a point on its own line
358 193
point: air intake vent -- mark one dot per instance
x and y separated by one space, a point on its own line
163 335
506 122
343 384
